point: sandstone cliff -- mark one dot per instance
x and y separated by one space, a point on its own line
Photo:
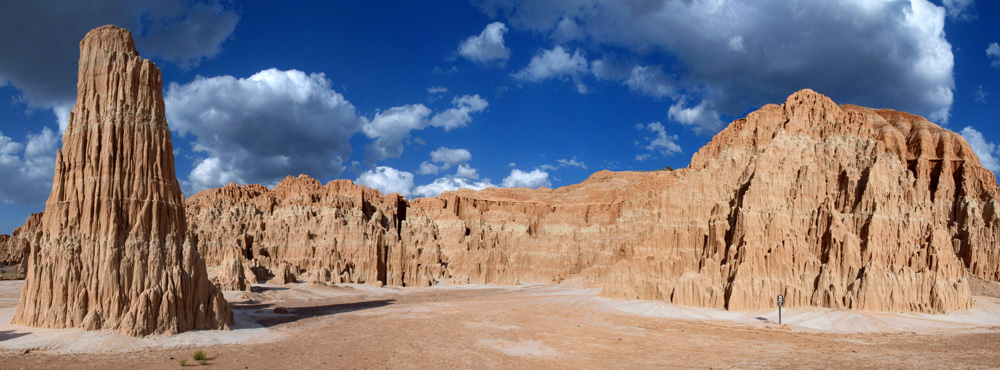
109 250
830 206
339 233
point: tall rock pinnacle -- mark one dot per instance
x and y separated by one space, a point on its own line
111 252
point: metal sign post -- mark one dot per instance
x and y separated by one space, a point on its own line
781 302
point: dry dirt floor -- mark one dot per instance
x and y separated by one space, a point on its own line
526 327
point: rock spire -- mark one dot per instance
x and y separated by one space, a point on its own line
110 251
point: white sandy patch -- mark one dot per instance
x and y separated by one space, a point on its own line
64 341
984 315
524 348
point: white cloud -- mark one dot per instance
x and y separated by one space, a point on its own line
449 183
427 168
465 171
873 53
41 61
390 180
460 115
27 168
960 9
985 150
391 127
487 47
434 90
560 163
521 179
387 180
262 128
993 54
700 118
660 142
553 63
450 156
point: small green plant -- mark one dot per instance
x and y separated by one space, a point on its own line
200 357
184 362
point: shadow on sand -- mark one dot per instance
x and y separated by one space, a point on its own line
10 334
299 313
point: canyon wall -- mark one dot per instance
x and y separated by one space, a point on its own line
337 233
108 252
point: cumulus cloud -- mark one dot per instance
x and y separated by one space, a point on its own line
739 55
660 142
487 47
41 49
390 180
985 150
461 114
552 63
390 128
446 157
449 183
262 128
521 179
701 118
387 180
993 54
27 168
450 156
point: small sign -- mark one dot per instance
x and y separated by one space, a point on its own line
781 300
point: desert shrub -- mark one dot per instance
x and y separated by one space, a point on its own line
199 356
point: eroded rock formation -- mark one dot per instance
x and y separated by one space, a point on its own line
14 248
109 252
830 206
355 234
834 206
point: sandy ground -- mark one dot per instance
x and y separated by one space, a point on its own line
533 326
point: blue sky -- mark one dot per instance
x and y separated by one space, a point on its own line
419 98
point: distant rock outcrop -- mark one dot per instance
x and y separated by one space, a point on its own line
109 251
14 248
337 233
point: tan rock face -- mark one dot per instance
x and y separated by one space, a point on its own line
830 206
302 227
14 248
833 206
110 251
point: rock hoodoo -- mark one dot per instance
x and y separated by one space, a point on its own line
109 251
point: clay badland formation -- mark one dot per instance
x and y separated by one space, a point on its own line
832 206
108 252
